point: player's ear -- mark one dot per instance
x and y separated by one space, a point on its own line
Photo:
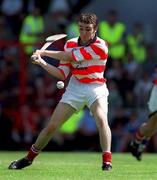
96 29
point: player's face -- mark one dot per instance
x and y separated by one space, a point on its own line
87 32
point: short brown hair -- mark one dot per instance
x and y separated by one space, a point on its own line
88 18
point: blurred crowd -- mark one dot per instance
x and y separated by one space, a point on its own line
129 72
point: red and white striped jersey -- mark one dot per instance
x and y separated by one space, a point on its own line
89 61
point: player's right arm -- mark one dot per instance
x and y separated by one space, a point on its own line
52 70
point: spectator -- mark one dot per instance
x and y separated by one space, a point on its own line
115 99
32 29
42 6
119 120
114 32
25 125
136 43
76 7
5 130
58 17
116 71
57 13
132 67
142 90
148 64
126 86
9 81
5 32
12 10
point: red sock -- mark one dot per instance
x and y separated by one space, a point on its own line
107 157
32 153
139 137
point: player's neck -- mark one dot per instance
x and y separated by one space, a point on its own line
81 43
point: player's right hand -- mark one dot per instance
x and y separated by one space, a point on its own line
36 59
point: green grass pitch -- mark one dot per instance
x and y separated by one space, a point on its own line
79 166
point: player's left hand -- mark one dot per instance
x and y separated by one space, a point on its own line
39 52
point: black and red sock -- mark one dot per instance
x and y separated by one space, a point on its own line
32 153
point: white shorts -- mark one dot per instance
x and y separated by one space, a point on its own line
79 94
152 104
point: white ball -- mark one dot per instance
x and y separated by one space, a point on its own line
60 84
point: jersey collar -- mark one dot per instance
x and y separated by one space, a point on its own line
90 42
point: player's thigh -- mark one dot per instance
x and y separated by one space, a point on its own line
61 113
99 109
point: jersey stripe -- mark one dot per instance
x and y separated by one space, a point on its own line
77 55
91 76
71 44
64 64
62 71
99 51
91 80
85 54
93 54
64 67
88 70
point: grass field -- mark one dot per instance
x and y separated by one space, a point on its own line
79 166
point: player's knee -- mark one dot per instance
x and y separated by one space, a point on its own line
102 123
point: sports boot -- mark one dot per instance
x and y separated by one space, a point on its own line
21 163
106 167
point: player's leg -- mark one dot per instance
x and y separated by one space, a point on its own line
62 112
99 111
149 128
142 136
